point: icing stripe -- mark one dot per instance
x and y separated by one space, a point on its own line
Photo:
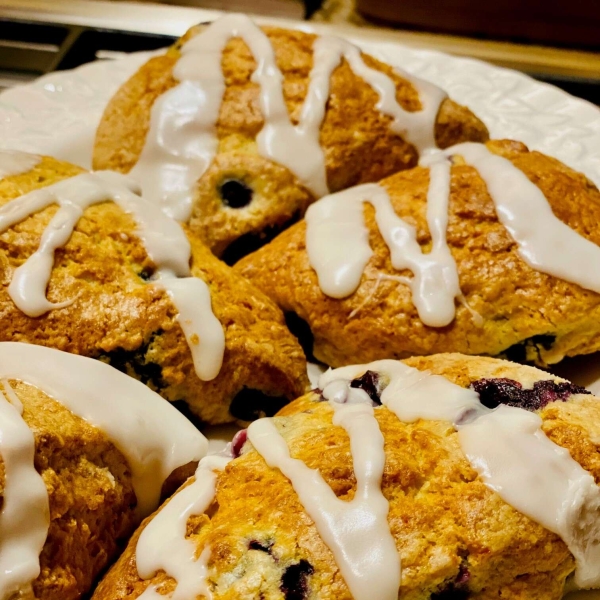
508 449
545 243
182 139
514 458
337 243
203 331
162 237
163 546
25 513
337 239
153 436
13 162
356 531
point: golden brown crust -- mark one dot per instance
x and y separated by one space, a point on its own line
117 317
444 519
516 302
90 493
358 143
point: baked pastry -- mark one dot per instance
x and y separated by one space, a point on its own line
85 453
484 249
391 493
237 129
108 275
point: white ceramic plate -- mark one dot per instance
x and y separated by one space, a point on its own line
58 115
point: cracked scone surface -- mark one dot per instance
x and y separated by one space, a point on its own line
356 138
117 317
91 497
527 315
456 538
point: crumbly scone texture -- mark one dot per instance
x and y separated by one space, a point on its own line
528 316
356 138
91 498
456 538
117 317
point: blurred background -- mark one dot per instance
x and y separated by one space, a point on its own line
553 40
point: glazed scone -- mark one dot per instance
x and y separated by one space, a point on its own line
85 452
421 523
251 186
473 289
104 303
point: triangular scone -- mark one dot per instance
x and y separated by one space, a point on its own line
85 454
349 494
478 293
110 308
351 135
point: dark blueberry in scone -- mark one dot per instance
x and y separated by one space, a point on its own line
457 589
369 382
493 392
239 439
294 582
261 546
235 194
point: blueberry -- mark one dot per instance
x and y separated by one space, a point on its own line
369 382
239 439
294 582
235 194
493 392
261 546
136 363
519 352
457 589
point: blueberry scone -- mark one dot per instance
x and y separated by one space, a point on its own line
85 453
483 249
440 477
237 129
89 266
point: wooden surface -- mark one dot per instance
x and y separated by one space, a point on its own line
337 16
562 22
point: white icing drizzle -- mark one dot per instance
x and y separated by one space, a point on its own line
513 456
154 438
203 331
14 162
337 243
544 242
25 514
337 240
163 545
417 127
162 237
182 139
356 532
11 395
508 449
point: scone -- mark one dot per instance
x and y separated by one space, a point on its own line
441 477
483 249
85 453
90 267
237 129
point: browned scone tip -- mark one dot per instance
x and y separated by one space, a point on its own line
456 538
116 316
526 315
357 141
90 495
